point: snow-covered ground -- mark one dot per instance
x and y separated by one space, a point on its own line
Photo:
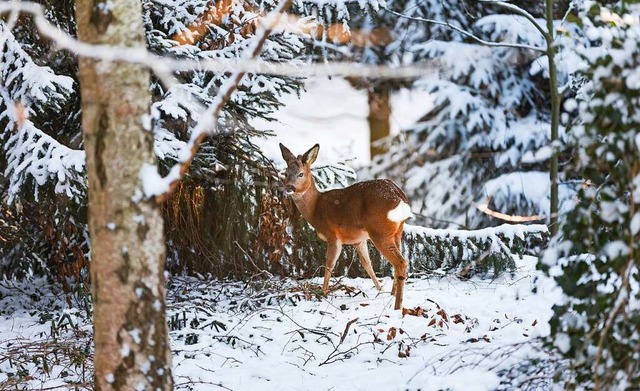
334 114
282 335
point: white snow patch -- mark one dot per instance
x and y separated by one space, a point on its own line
615 249
135 335
125 350
635 224
563 342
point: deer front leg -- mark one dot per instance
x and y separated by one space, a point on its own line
333 252
363 254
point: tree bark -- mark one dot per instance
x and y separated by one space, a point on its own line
127 239
555 117
379 118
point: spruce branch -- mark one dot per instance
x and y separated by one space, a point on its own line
468 34
210 117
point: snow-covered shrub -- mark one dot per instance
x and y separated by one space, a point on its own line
596 259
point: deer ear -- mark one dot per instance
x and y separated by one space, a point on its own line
310 156
286 154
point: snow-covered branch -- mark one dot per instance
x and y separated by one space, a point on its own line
209 119
468 34
31 154
519 11
164 66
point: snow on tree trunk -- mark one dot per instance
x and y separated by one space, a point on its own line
128 247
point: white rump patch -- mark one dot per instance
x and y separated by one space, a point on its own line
400 213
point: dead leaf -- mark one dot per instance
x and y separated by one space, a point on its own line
391 334
433 321
364 304
417 311
457 318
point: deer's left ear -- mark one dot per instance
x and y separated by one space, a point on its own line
310 156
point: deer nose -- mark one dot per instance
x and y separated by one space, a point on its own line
290 189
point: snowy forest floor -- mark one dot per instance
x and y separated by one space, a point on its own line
284 335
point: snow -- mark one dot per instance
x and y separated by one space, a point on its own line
635 224
152 182
563 342
300 338
280 335
508 231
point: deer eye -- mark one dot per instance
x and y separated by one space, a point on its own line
300 175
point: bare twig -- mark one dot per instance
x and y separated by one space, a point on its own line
484 208
346 329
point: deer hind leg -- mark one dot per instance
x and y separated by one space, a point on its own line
333 252
363 254
398 240
390 250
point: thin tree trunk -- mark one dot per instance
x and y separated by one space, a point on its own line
379 118
555 116
127 239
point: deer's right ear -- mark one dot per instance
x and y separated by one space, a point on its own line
286 154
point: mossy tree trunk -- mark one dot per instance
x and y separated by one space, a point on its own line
127 239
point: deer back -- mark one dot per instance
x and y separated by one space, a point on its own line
360 211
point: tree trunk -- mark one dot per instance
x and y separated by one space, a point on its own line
127 239
555 116
379 115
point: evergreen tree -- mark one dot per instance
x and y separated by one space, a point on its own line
43 159
596 259
42 180
486 138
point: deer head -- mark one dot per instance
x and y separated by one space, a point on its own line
297 178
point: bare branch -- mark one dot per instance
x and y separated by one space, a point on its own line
470 35
484 208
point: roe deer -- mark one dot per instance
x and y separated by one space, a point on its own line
373 210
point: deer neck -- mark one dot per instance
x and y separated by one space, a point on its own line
306 201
